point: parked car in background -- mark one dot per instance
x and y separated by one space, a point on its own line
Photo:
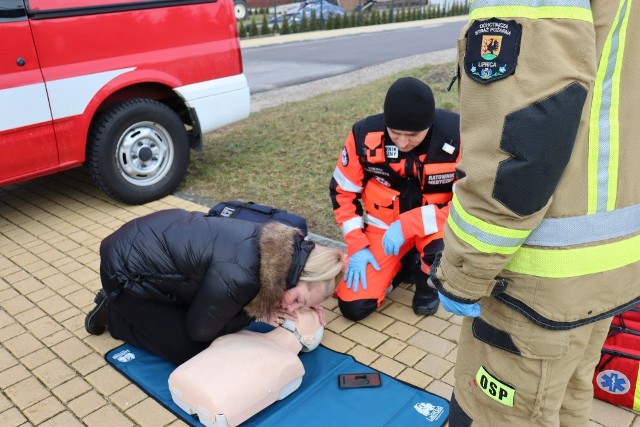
125 87
321 8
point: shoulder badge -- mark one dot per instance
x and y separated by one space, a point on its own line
345 156
492 49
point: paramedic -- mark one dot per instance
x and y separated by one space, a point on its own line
541 245
401 163
175 280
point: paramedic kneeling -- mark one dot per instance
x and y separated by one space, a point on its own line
402 165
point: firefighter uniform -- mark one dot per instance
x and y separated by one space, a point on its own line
544 227
413 187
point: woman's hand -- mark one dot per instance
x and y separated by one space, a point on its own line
277 317
320 310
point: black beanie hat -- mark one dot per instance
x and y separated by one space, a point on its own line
409 105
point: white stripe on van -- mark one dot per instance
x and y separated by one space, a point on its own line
69 97
23 106
28 105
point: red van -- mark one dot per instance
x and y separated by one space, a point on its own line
126 87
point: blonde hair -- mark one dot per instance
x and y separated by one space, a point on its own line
325 264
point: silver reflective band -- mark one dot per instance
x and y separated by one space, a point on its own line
484 237
586 228
477 4
345 183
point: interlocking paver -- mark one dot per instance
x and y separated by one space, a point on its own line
22 345
71 389
364 335
410 355
388 366
391 347
149 413
415 378
53 373
363 354
63 419
27 392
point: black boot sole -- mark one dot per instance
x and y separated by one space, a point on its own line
91 323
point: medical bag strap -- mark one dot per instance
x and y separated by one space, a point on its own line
605 359
263 209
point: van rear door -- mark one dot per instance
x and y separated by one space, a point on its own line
27 140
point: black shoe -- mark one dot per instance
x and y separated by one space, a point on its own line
96 321
425 301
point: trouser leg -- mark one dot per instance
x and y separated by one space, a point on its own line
511 372
159 328
425 299
578 397
358 305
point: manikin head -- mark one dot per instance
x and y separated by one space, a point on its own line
307 328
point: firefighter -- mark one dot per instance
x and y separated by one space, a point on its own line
542 241
401 164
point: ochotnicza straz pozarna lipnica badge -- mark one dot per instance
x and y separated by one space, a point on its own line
492 49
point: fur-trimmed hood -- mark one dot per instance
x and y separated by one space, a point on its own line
279 245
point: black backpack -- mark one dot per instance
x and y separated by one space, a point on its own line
257 213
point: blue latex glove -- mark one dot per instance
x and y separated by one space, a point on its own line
393 239
357 268
468 310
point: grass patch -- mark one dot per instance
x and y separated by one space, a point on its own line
285 156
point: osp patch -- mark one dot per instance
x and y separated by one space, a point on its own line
492 49
345 156
494 388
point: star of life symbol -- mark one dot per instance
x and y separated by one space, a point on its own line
614 382
124 356
431 412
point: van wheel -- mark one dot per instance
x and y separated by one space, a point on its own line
240 9
138 151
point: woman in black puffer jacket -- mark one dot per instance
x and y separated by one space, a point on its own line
175 280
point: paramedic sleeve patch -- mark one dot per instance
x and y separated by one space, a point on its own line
492 49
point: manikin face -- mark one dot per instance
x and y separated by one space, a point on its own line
407 140
303 296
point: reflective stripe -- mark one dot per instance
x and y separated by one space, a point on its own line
372 220
531 9
586 228
604 137
485 237
352 224
562 263
345 183
636 397
429 222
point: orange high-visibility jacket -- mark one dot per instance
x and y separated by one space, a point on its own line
417 185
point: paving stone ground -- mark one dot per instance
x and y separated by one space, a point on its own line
52 373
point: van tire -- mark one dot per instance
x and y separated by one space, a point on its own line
138 151
240 9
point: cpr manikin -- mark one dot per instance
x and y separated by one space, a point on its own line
242 373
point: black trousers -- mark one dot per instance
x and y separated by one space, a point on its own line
157 327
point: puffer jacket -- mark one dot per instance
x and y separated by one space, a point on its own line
224 270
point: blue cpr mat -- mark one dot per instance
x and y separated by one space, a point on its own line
317 402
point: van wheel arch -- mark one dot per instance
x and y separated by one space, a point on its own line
138 150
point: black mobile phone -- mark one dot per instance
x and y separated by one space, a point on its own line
370 379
